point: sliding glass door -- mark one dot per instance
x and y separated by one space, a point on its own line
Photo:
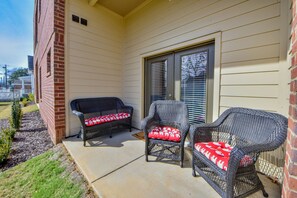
185 75
159 80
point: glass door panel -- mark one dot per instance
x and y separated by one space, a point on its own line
193 85
194 70
185 75
158 80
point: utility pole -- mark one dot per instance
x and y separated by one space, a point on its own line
5 67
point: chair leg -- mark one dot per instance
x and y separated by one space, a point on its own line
79 134
84 136
193 167
265 194
146 151
181 164
110 133
182 156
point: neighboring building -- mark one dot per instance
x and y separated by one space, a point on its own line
25 84
31 71
22 85
144 50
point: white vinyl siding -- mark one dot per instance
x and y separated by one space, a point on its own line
94 55
250 48
106 57
254 66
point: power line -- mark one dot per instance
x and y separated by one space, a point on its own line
5 73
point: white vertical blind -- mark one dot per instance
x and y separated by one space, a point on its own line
158 80
193 85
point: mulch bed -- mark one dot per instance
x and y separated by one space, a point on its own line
30 140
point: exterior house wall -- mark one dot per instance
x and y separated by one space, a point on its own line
252 68
106 57
49 22
94 54
252 61
251 35
290 168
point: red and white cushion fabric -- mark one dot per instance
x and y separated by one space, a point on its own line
106 118
165 133
219 153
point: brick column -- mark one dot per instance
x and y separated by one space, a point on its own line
59 70
290 169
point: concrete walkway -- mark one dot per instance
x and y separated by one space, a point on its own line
116 168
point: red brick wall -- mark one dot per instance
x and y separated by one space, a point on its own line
290 169
51 88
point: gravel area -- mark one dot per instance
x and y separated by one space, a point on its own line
31 139
4 123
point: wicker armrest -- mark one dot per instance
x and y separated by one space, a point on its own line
147 122
255 148
127 109
197 130
80 115
77 113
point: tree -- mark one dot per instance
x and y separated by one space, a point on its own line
17 73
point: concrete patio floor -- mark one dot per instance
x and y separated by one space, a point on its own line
116 168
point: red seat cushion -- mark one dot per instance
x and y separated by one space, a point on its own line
219 153
106 118
165 133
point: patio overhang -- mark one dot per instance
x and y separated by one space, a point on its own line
92 2
122 8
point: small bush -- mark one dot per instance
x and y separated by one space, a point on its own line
25 102
31 97
5 144
10 132
16 115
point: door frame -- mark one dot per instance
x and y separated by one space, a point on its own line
147 77
216 38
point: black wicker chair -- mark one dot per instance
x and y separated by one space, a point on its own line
85 108
166 113
249 132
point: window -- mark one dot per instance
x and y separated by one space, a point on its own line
185 75
35 28
40 85
48 63
36 81
39 9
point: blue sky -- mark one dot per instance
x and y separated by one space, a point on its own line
16 32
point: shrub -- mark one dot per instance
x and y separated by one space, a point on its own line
31 97
10 132
5 144
16 115
25 102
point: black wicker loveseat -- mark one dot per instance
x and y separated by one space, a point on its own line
225 151
99 115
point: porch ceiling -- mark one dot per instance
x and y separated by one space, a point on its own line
119 6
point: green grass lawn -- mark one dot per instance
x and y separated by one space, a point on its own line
5 109
39 177
4 105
